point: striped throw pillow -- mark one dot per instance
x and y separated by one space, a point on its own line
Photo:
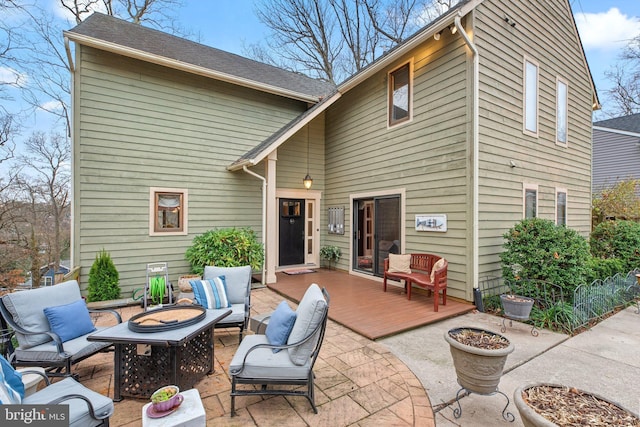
211 293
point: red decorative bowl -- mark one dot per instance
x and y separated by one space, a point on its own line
165 398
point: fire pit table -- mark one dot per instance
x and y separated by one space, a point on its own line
160 347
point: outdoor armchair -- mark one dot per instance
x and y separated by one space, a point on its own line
51 325
258 361
86 407
238 289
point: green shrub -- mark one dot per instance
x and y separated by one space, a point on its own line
601 268
617 240
537 249
104 280
225 247
331 253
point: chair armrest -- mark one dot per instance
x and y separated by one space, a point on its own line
92 411
42 374
56 339
107 310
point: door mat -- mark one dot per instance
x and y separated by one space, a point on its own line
294 272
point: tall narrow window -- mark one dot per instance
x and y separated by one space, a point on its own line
530 200
400 95
561 206
530 97
167 211
562 90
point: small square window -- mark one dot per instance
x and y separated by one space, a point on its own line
400 95
168 211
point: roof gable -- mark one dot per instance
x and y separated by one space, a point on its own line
133 40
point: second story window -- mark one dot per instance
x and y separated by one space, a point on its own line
530 97
562 120
400 96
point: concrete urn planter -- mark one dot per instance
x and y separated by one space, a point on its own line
478 369
531 418
516 307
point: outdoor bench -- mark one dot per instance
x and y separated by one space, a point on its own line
422 274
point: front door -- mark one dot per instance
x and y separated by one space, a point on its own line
292 238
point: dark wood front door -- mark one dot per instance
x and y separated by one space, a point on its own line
292 217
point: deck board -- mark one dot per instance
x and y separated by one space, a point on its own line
360 304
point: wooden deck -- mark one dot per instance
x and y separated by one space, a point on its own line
360 304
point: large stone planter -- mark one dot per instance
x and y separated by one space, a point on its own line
531 418
478 370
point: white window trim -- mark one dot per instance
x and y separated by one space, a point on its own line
152 211
566 205
524 97
411 95
526 187
566 109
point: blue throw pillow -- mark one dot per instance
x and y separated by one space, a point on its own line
11 386
280 325
211 293
69 321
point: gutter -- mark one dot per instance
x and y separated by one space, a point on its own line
264 214
475 146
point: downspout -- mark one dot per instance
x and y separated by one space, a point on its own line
475 149
264 215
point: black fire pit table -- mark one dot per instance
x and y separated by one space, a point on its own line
160 347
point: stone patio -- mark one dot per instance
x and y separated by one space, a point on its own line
358 383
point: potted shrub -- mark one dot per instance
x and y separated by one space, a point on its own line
166 398
555 405
330 253
479 356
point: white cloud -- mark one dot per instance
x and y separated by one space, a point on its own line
63 13
606 30
11 77
51 106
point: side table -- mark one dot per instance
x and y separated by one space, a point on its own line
189 414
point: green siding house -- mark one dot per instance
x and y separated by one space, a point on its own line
480 119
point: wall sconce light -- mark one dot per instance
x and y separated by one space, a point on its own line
453 29
437 35
307 181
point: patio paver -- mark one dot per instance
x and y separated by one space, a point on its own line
358 383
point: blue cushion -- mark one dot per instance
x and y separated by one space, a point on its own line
280 325
11 386
69 321
211 293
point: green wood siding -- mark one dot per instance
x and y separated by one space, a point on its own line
138 126
426 157
544 33
292 158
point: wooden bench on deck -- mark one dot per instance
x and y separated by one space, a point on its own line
421 266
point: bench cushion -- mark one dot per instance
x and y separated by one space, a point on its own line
437 266
400 263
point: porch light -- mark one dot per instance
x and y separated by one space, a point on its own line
453 29
437 35
307 181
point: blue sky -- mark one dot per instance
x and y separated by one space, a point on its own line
605 27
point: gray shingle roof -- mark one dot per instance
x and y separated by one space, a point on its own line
140 38
629 123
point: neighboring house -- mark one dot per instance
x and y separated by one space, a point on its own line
616 151
439 146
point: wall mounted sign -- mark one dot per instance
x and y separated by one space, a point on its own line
431 222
